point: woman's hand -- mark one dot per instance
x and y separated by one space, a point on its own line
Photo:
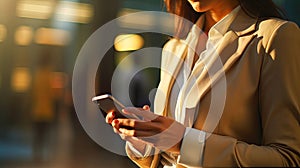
136 143
159 131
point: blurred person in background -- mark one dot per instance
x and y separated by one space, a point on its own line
259 125
43 109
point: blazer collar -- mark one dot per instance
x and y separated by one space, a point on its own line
174 53
243 24
234 43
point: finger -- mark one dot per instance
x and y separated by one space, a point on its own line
115 124
139 125
128 123
136 133
110 117
146 107
116 131
146 115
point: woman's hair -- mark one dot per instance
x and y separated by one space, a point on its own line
183 9
260 9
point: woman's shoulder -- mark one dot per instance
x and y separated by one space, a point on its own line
271 25
174 48
174 45
170 43
274 28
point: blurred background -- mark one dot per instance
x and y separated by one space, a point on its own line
39 43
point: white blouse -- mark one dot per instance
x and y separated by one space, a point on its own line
206 45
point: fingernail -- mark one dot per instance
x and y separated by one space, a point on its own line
124 111
116 121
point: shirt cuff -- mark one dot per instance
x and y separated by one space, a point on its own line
138 153
191 151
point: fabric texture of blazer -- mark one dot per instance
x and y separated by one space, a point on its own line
259 125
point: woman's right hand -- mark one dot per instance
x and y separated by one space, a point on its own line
136 143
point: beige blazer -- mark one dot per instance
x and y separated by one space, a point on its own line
259 125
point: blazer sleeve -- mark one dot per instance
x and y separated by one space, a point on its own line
279 98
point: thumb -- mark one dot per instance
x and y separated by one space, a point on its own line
146 107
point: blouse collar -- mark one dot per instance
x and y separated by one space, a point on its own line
220 28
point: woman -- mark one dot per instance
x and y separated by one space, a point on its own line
259 125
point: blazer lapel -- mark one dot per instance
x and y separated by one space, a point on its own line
234 43
230 50
173 55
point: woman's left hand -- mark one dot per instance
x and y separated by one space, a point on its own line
161 132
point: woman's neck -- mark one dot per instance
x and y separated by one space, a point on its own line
216 14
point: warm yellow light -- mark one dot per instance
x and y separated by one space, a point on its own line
3 32
21 79
128 42
49 36
37 9
23 35
74 12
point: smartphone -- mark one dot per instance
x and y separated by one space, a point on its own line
107 103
